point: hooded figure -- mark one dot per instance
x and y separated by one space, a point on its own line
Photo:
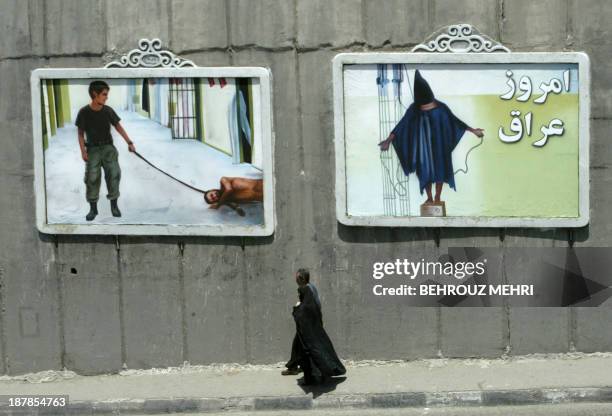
425 138
316 353
422 91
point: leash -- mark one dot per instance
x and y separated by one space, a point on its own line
466 157
167 174
233 206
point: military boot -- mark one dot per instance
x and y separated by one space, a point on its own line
114 208
93 211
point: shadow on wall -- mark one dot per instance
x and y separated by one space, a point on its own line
353 234
169 240
356 234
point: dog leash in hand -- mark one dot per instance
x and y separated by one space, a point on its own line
239 210
167 174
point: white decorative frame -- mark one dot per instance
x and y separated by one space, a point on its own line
173 68
462 38
150 55
441 42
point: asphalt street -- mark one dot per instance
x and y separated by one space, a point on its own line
574 409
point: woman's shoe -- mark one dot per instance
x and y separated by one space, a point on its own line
291 371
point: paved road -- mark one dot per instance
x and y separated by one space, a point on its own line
585 409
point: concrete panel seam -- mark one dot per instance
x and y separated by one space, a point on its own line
431 13
5 364
299 109
51 56
60 304
569 25
105 21
245 313
44 28
228 29
363 19
507 334
359 46
501 16
572 329
30 25
170 24
439 331
183 302
201 50
121 304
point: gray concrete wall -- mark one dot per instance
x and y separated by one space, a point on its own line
79 303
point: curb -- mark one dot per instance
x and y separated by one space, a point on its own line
331 401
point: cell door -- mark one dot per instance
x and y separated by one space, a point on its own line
184 106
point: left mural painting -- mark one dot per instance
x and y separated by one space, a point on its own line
153 151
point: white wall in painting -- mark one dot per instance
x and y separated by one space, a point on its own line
158 100
46 109
218 102
79 95
257 154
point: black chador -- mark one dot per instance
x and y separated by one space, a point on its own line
312 348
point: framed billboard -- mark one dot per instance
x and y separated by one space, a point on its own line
142 148
462 133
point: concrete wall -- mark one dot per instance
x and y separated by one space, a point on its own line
89 305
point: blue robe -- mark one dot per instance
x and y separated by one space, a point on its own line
424 142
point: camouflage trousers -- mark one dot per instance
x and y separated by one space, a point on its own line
102 157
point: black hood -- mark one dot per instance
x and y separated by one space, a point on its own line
422 91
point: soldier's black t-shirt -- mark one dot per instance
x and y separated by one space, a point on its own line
96 124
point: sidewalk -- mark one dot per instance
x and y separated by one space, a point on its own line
424 383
